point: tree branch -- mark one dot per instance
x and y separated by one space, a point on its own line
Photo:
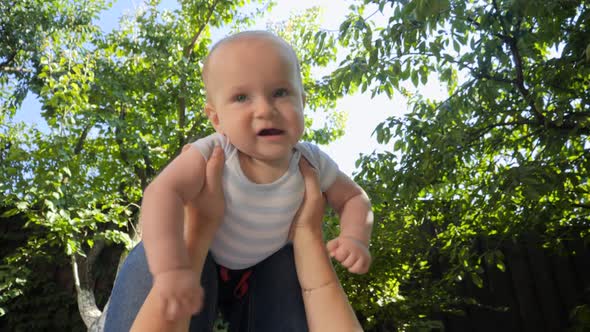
517 58
478 25
82 138
20 70
8 61
494 78
509 39
188 51
480 132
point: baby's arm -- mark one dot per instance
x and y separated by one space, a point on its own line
161 219
201 223
162 211
352 204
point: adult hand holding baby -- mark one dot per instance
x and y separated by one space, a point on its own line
351 252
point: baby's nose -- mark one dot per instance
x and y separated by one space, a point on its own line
264 108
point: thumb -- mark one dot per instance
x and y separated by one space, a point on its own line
332 245
215 167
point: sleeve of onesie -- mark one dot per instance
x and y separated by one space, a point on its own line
206 144
327 168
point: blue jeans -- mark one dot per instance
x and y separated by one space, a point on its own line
272 300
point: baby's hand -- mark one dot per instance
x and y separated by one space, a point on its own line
180 292
351 253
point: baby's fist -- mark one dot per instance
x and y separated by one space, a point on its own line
180 291
351 253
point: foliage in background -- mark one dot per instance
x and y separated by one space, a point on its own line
118 106
41 300
504 155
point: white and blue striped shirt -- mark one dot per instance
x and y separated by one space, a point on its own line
258 216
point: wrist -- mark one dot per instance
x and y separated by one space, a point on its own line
313 289
305 234
364 242
177 269
180 269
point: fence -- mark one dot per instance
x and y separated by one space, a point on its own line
539 290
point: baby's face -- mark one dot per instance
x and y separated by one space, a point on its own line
255 97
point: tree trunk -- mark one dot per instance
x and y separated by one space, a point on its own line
84 281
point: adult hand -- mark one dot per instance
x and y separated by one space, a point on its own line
204 214
210 203
310 215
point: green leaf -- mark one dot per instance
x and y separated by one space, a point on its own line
456 46
414 77
477 280
10 213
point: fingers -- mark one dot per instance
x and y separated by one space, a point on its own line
310 179
199 301
338 251
194 304
292 229
181 306
355 259
171 307
311 211
180 293
305 167
332 245
215 167
361 266
350 260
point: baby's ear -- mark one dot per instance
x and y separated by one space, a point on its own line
213 117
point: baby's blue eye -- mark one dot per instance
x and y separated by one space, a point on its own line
281 93
240 98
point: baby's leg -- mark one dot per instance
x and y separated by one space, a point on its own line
134 282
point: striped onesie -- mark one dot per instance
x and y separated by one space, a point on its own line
258 216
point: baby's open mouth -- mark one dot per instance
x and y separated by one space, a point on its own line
270 132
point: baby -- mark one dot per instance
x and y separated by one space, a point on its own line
255 102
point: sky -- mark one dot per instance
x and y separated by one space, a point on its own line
364 113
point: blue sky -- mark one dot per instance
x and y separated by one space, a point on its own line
364 113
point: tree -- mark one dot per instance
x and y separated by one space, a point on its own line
504 155
118 107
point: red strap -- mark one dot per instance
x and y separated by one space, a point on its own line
242 286
224 273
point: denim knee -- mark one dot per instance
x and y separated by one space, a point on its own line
132 284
